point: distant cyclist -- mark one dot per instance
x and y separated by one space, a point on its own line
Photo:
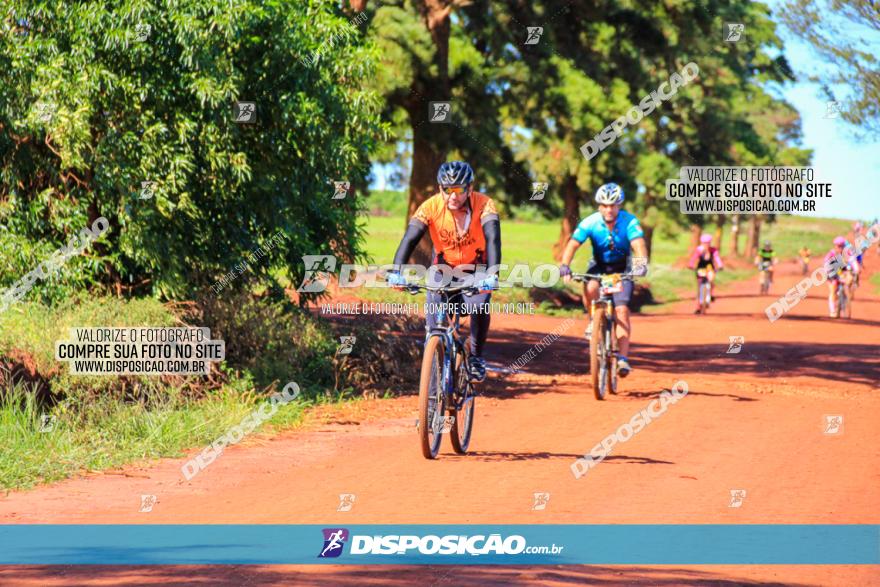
843 272
613 233
706 257
804 256
465 230
856 254
766 259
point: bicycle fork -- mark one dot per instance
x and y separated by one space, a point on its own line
611 342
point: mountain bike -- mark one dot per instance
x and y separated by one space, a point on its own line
764 268
704 290
844 304
603 341
444 384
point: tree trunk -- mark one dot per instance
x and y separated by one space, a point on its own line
649 237
570 217
696 231
754 236
734 236
719 232
429 139
423 183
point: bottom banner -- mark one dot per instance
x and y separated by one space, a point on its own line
440 544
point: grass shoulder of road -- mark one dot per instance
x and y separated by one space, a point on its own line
54 425
531 242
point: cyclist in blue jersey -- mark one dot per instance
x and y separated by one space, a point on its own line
614 235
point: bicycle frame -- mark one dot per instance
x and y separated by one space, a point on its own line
603 355
453 344
603 298
453 341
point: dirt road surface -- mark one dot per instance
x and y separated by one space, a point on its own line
753 420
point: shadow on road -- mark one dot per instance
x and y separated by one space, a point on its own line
490 455
842 363
399 575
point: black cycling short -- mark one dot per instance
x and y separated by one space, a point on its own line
622 297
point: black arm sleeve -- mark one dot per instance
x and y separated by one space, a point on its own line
492 230
409 242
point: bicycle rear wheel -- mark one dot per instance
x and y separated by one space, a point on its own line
463 416
598 352
432 400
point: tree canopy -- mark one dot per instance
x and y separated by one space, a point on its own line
97 98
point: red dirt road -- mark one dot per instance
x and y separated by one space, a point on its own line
752 420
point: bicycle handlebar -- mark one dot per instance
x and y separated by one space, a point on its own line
415 288
588 276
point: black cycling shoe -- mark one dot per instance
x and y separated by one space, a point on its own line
476 369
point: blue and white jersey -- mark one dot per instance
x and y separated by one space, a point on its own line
610 247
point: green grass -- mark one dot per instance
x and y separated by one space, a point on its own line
100 422
109 433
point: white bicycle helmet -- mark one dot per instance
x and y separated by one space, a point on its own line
610 193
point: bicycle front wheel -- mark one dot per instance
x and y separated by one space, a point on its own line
598 353
432 400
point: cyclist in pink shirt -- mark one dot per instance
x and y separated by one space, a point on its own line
838 272
706 257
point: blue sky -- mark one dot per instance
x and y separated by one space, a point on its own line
851 165
840 157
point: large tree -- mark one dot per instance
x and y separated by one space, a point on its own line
89 110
